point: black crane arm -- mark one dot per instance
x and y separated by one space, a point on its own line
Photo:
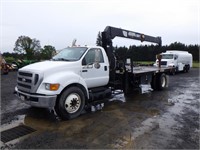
111 32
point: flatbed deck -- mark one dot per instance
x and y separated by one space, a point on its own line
150 69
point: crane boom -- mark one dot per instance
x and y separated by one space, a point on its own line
110 33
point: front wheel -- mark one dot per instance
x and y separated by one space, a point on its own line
71 103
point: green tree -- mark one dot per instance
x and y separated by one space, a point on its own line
9 59
177 46
25 44
99 39
47 52
121 53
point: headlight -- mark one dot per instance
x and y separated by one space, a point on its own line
52 87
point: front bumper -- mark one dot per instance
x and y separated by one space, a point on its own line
43 101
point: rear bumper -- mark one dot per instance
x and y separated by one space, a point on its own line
43 101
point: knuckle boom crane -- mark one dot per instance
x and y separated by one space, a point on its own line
129 78
111 32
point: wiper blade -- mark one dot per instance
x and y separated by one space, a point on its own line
61 59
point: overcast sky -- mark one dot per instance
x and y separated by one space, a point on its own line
58 22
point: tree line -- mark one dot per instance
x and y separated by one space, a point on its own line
28 48
149 52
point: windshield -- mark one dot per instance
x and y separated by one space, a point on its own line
167 56
70 54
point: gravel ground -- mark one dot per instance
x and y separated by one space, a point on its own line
153 120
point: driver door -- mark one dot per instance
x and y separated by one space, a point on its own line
95 71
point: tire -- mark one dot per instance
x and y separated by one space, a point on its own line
187 68
159 82
154 82
70 103
162 82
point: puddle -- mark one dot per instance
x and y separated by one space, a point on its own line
146 126
165 123
13 105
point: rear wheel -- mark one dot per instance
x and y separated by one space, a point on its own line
153 82
159 82
162 82
186 68
71 103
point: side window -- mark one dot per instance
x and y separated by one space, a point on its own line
92 56
100 56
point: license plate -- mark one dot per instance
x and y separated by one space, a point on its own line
22 97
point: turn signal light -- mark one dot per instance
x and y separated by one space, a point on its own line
52 87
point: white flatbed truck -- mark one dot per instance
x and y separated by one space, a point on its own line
78 77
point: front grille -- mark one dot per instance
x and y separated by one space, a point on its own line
24 85
36 79
25 74
27 81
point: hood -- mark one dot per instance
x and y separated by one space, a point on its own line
48 65
168 60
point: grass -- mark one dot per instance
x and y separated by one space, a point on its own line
144 62
196 64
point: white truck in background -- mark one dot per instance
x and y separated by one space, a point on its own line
181 60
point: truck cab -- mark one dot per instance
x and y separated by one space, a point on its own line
168 59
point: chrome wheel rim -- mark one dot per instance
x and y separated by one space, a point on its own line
72 103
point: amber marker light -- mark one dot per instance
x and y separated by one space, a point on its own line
52 87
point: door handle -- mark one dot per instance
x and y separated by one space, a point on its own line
105 68
84 70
